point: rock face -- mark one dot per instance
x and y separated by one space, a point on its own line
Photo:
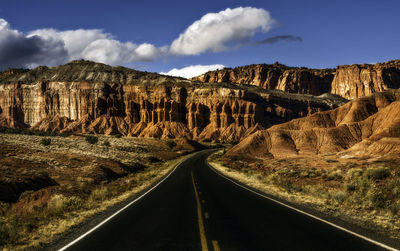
349 81
365 126
352 81
87 97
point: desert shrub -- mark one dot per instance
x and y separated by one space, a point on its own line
363 185
304 174
4 208
354 173
318 191
283 182
106 143
91 139
259 165
377 173
171 144
395 208
349 187
99 194
130 149
331 160
376 198
153 159
9 232
394 186
338 196
335 175
59 204
45 141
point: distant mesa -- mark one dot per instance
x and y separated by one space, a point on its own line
348 81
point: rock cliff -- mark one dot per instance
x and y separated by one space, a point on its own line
365 126
87 97
348 81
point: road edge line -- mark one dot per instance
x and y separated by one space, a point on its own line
377 243
120 210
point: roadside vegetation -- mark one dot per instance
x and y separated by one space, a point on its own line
365 192
60 182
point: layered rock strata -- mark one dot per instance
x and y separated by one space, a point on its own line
87 97
365 126
348 81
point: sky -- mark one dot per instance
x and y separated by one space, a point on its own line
188 38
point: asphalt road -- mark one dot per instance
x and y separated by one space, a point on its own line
197 209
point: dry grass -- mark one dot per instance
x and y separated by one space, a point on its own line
90 178
63 212
367 194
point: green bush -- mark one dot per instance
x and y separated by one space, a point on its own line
45 141
171 144
395 208
354 173
91 139
349 187
378 173
106 143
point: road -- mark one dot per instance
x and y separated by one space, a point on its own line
197 209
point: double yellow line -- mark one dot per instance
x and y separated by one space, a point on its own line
203 238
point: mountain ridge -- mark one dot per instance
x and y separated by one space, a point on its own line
88 97
348 81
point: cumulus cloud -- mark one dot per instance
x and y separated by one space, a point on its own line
216 31
193 70
18 50
52 47
276 39
94 44
211 33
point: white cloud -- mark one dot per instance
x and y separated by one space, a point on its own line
215 31
18 50
98 46
193 70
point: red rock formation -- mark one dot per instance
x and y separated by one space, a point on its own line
352 81
349 81
368 125
86 97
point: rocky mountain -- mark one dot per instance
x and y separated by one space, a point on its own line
348 81
365 126
87 97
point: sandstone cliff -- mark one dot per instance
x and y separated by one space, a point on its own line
365 126
87 97
348 81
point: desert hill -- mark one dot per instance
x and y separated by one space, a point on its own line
367 125
348 81
88 97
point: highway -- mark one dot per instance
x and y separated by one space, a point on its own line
195 208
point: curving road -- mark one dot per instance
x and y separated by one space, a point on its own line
197 209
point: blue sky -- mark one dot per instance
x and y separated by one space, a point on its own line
326 33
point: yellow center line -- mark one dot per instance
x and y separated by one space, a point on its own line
216 246
203 238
